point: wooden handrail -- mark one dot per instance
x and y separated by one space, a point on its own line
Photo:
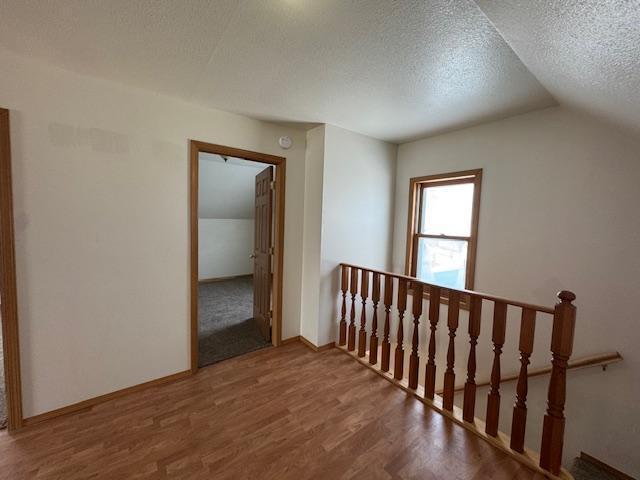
602 360
355 280
484 296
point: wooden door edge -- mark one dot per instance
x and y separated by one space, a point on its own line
9 306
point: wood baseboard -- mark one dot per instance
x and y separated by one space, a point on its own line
91 402
309 344
603 466
289 340
222 279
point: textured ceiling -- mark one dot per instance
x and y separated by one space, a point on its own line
585 52
394 70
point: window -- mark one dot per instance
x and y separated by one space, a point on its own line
443 228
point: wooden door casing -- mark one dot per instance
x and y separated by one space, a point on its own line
8 289
280 164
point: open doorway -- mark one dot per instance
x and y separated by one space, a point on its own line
234 238
236 251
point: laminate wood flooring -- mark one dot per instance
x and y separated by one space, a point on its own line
279 413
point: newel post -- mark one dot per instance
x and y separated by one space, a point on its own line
564 320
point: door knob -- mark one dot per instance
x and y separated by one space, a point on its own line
252 256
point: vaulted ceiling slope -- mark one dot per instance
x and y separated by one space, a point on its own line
585 52
392 70
227 187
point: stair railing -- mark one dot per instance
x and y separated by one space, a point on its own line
366 282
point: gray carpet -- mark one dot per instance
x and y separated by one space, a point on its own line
225 321
584 470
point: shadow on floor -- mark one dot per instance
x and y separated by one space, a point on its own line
225 324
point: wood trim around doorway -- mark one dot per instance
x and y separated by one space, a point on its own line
195 148
8 290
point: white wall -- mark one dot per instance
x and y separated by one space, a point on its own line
101 208
226 211
314 166
224 247
227 190
357 213
558 211
348 218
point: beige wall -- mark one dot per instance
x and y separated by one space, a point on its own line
348 218
314 167
559 205
357 213
101 209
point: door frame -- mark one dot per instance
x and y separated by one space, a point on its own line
8 290
195 148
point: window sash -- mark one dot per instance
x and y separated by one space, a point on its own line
425 249
417 189
421 197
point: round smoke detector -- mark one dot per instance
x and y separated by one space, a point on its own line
285 142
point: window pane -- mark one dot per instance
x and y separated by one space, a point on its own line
446 210
442 262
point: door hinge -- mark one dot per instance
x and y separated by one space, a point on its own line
272 250
272 184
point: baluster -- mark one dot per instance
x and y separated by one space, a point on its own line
449 375
414 358
375 298
469 402
398 370
434 316
364 293
564 321
493 399
388 301
353 288
343 321
519 421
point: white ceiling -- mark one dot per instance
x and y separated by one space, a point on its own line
585 52
394 70
227 189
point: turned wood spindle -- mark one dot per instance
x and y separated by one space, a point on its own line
493 399
469 401
564 321
343 319
414 358
388 301
375 298
519 420
364 293
434 316
353 288
449 374
398 370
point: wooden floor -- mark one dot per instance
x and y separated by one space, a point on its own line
279 413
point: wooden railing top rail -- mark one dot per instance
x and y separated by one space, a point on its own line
473 293
601 360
